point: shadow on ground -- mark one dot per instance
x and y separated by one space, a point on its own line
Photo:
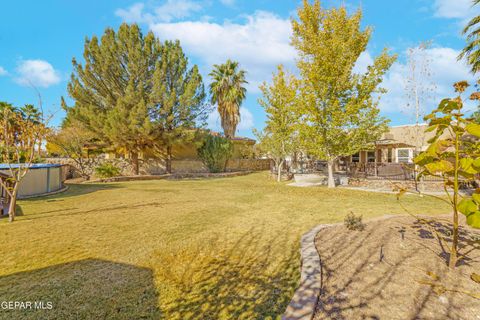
76 190
395 269
241 282
85 289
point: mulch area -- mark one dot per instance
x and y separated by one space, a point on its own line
396 269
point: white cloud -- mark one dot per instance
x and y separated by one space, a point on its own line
39 73
246 120
363 62
168 11
132 14
3 72
229 3
453 9
446 70
259 44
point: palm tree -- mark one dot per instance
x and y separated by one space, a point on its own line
472 51
228 92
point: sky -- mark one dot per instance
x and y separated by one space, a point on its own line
38 40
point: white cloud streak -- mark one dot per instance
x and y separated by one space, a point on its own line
446 70
259 44
246 120
168 11
453 9
39 73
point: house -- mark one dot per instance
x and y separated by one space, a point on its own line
391 157
399 145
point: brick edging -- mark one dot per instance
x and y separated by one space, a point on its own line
304 301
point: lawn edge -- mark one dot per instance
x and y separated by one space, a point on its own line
304 301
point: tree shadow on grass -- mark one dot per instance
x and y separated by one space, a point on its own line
384 274
245 281
85 289
468 241
74 212
76 190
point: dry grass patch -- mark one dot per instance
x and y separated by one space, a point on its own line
209 249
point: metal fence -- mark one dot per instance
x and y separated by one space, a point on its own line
386 171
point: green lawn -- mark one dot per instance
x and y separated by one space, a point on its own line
194 249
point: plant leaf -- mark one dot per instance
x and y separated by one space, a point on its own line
473 220
467 206
473 129
440 166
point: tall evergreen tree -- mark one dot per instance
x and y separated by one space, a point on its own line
177 99
228 92
338 107
111 89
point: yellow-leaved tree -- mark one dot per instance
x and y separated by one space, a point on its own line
338 106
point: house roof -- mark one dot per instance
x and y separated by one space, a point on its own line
408 136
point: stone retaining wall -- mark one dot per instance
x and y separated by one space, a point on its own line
157 166
426 186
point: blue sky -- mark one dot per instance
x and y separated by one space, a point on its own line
38 40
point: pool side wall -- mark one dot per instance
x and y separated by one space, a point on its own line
40 181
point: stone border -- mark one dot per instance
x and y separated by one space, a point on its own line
173 176
305 299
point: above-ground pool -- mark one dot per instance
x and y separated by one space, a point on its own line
40 179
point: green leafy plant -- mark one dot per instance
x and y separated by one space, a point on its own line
354 222
215 153
107 170
454 156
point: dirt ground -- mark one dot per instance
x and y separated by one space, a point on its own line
396 269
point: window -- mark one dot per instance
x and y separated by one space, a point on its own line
389 155
404 155
356 157
371 156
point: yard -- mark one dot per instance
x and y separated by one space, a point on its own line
209 249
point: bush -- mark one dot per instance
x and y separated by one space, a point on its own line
353 222
215 153
107 170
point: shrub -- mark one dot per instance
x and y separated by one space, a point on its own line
215 153
107 170
353 222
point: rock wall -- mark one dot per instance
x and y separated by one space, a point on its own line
427 186
157 166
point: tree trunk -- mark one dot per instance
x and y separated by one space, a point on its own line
279 170
168 167
13 203
331 180
134 160
453 251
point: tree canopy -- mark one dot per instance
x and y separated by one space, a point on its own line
228 92
177 98
134 92
279 137
339 107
